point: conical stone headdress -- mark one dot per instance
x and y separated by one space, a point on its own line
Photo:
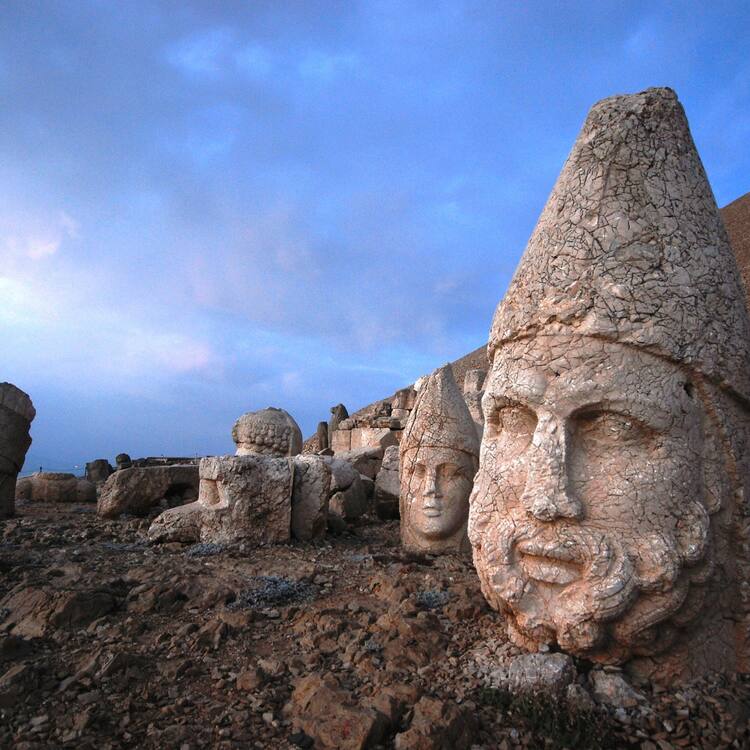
631 247
440 418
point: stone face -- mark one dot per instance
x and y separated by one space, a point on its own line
139 490
387 486
241 499
473 392
269 432
438 458
98 471
123 461
609 515
16 415
312 487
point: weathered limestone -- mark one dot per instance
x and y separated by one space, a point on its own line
138 490
98 471
16 415
365 461
123 461
55 487
322 434
473 393
269 432
338 415
348 500
312 487
241 499
609 513
439 456
387 485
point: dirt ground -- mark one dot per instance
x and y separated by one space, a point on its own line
107 642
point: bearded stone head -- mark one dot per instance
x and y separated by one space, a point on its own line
608 512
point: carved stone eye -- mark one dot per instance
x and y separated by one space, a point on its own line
511 427
610 428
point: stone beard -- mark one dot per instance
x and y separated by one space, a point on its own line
435 488
591 514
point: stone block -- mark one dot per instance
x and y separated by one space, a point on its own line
312 487
139 490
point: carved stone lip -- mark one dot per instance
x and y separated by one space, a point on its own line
432 512
550 570
550 561
555 550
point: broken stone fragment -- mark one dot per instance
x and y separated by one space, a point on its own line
473 392
138 490
438 725
312 487
241 499
326 712
98 471
536 673
387 486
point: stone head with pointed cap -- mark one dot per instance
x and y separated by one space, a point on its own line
609 514
438 458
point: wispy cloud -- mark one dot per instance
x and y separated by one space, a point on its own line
36 237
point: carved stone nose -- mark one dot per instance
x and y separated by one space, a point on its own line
547 495
430 484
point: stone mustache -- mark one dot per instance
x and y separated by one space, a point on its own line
438 459
609 514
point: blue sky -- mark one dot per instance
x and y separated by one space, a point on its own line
209 208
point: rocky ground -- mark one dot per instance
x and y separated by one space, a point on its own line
107 642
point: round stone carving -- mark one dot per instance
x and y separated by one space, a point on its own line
270 432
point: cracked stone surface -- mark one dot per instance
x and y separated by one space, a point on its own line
608 515
240 499
473 393
270 432
438 459
16 414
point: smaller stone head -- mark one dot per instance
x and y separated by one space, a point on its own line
123 461
270 432
439 456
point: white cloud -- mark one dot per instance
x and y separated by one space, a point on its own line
37 237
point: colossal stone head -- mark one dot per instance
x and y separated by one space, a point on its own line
438 459
270 432
609 513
